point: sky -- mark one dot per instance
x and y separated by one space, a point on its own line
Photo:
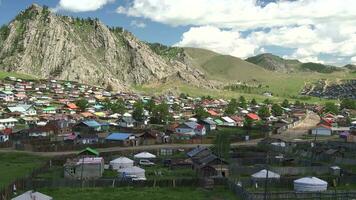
322 31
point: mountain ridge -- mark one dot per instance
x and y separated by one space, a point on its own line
46 45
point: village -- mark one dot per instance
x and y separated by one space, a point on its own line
93 137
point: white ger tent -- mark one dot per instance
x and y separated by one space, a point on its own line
134 171
121 162
263 174
144 155
310 184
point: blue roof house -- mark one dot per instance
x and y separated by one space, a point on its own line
124 139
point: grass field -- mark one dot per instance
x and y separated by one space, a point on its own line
140 194
3 75
16 165
231 70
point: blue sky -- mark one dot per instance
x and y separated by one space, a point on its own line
153 32
309 30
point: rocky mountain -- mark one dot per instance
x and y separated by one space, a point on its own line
43 44
275 63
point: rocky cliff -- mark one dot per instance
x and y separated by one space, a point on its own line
41 43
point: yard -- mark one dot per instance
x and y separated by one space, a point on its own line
17 165
220 193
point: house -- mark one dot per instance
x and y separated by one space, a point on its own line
49 110
212 166
72 106
191 128
4 137
253 116
238 120
124 139
24 109
228 121
209 124
8 123
126 122
322 130
88 126
84 168
31 195
7 96
198 153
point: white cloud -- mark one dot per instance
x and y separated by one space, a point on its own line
225 42
81 5
311 27
353 60
138 24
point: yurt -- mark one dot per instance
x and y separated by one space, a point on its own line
310 184
121 162
144 155
134 171
263 174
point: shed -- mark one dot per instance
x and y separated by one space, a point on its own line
31 195
133 172
144 155
121 162
263 174
310 184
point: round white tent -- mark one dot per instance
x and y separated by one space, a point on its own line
263 174
134 171
310 184
121 162
144 155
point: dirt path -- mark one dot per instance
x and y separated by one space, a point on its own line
121 149
310 121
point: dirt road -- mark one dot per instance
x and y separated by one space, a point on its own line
310 121
137 148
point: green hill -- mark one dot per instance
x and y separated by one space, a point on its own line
226 68
274 63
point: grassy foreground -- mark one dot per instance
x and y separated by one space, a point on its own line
17 165
140 193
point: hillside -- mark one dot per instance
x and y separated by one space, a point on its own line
44 44
275 63
224 67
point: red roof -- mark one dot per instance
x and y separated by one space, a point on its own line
72 106
213 113
237 118
253 116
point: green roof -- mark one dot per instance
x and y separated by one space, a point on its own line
50 108
218 121
89 151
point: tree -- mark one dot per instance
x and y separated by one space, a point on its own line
331 107
242 102
150 105
176 107
277 110
82 104
285 103
267 101
118 107
138 110
348 104
231 107
222 145
253 101
109 88
263 112
298 103
200 113
248 123
160 114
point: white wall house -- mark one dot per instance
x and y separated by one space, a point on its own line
8 123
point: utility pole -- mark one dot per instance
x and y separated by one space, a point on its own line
266 180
